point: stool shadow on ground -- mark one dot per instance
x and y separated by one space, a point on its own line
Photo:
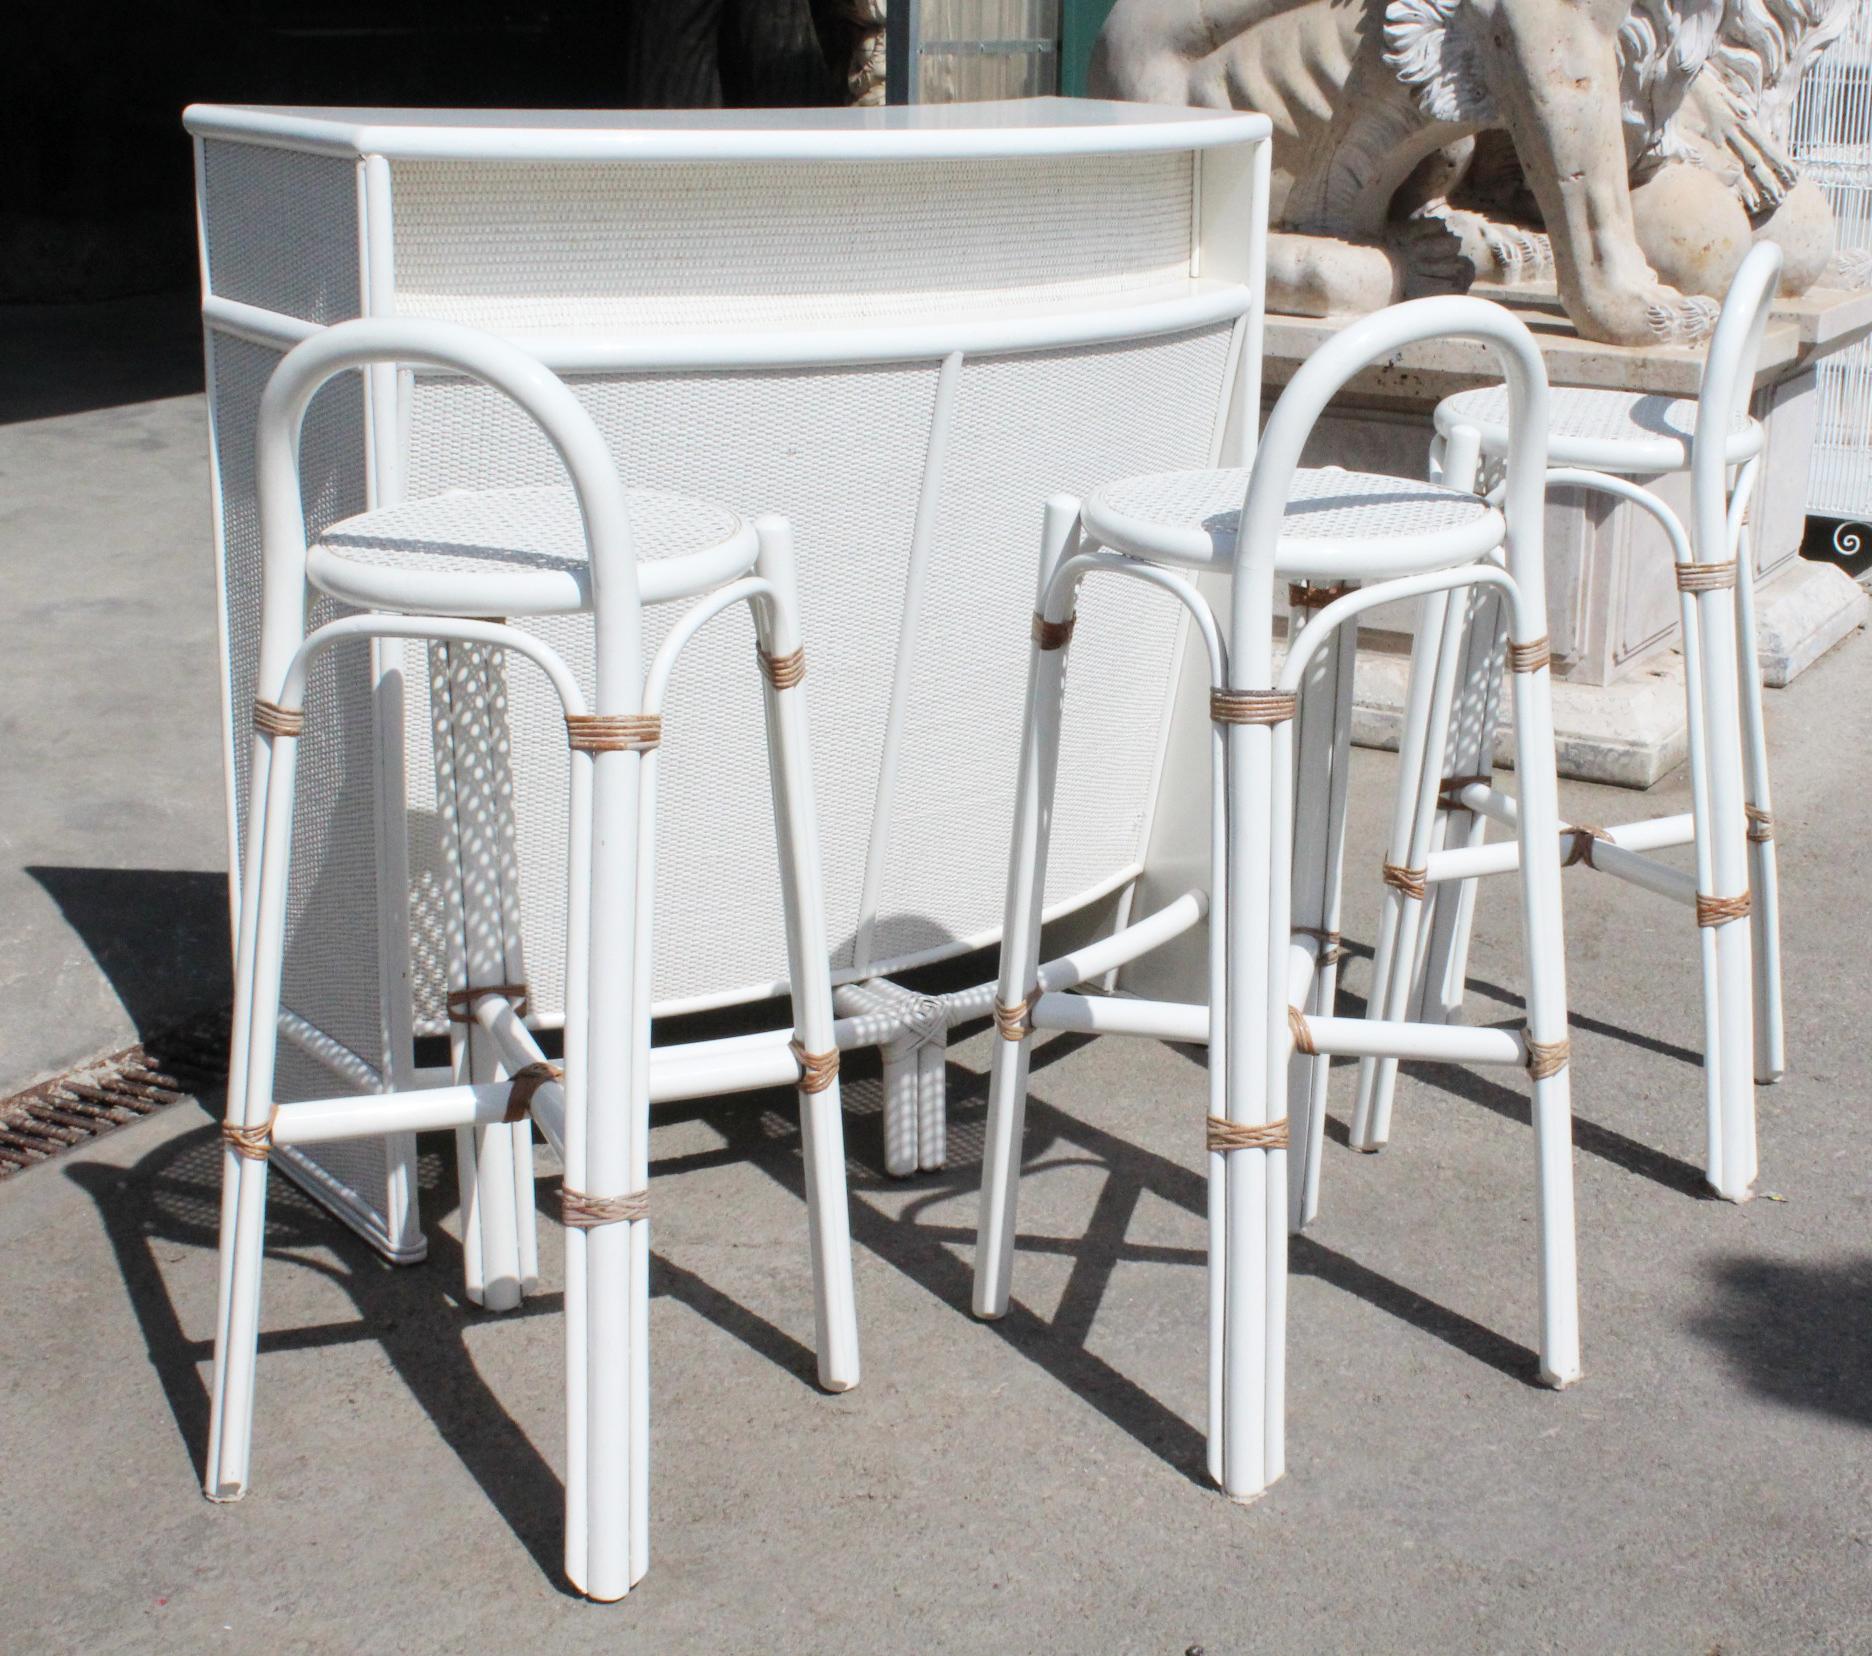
158 935
938 1256
416 1315
1797 1334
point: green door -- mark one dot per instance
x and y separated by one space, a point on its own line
1080 22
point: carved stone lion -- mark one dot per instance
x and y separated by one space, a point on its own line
1378 105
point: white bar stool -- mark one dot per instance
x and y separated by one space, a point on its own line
1253 528
1603 440
454 565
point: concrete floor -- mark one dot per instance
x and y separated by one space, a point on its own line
1032 1485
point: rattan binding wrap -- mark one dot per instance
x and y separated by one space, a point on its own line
270 719
818 1070
1760 824
1302 1036
461 1002
1303 597
526 1082
1053 635
1449 794
578 1211
1254 707
783 672
1235 1135
1411 882
1015 1022
250 1142
1580 837
1330 950
1719 911
1709 577
1529 658
613 732
1545 1058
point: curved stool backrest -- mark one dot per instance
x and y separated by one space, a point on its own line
522 378
1319 379
1728 381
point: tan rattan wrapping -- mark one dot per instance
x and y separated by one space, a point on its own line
578 1211
783 672
1015 1022
461 1002
1709 577
1262 707
1719 911
1053 635
270 719
251 1142
1234 1135
818 1070
1529 658
526 1082
613 732
1545 1058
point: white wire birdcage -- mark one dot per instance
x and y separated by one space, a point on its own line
1831 138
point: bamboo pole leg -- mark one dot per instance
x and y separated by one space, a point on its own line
1369 1129
796 827
244 1173
1764 877
1020 937
1544 934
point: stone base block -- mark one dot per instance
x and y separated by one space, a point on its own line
1632 733
1801 612
1627 734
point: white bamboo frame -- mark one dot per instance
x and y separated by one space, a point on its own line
1263 975
1730 822
598 1115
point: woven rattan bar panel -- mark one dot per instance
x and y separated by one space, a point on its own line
901 328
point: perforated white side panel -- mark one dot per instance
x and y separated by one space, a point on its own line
1028 427
519 245
282 229
842 454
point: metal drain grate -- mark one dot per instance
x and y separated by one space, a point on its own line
87 1102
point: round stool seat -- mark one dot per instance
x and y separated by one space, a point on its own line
502 552
1338 523
1610 431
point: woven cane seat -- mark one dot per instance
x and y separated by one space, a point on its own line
520 552
1334 517
1613 431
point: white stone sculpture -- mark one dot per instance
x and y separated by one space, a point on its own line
1627 148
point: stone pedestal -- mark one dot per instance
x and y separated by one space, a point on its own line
1612 602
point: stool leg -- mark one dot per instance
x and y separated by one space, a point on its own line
1256 1055
1446 959
249 1106
614 1153
796 826
1764 881
1544 935
1730 1061
1325 722
1020 936
577 1068
1420 772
